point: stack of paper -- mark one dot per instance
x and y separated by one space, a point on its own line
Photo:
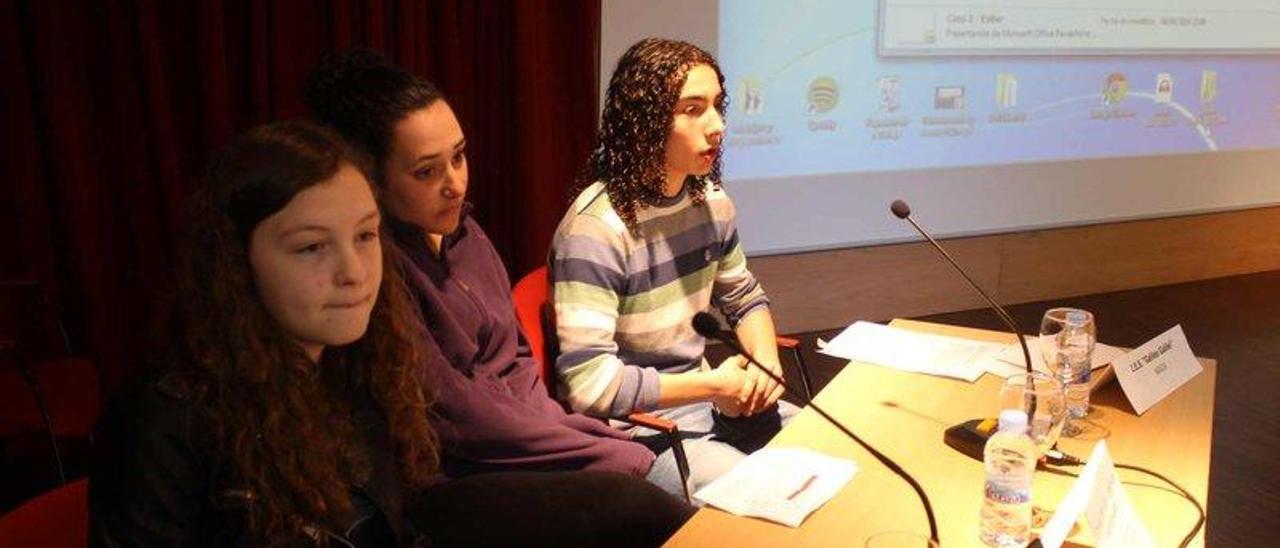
914 351
954 357
780 484
1010 361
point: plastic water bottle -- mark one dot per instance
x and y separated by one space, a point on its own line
1010 460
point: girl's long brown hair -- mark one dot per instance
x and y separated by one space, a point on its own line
283 422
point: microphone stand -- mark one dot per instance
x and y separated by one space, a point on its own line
901 210
708 326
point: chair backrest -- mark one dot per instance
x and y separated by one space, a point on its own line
35 354
537 319
56 519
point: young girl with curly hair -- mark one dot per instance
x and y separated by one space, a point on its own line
287 403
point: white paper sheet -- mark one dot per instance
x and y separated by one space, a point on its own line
1010 361
913 351
780 484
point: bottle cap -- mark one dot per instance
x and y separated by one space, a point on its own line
1013 420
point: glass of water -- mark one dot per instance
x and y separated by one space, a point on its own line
1041 397
1067 338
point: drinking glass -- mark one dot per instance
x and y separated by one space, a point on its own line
1043 392
1067 338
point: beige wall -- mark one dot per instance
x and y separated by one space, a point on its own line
829 289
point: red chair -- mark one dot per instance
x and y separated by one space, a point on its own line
44 390
56 519
69 388
537 318
530 297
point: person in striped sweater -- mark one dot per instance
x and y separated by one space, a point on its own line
651 240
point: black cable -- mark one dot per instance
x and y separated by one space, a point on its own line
7 347
1058 458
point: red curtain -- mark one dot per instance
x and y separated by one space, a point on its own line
111 108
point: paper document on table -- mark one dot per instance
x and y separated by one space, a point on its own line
780 484
1011 362
913 351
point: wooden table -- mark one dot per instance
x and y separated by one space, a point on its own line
904 415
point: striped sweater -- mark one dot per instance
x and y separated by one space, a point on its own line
624 304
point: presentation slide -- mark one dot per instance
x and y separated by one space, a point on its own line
951 83
986 115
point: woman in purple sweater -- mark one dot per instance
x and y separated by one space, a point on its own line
493 411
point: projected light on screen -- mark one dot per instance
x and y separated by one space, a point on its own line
988 116
971 83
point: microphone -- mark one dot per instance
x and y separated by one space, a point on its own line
708 326
971 436
902 211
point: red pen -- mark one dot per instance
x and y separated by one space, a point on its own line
806 485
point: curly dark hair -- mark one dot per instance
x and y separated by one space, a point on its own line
281 420
630 157
364 96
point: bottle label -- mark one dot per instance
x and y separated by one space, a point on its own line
1007 491
1083 375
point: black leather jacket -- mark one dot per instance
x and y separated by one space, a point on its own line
159 480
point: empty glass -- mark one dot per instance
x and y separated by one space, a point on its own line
1067 338
1050 413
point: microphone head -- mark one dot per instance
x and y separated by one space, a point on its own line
706 325
900 209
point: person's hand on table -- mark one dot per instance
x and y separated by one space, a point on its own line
765 390
734 386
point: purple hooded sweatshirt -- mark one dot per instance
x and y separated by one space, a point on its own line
491 409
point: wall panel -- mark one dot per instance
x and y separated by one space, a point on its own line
828 289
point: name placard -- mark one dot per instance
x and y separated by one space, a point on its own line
1154 370
1098 495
